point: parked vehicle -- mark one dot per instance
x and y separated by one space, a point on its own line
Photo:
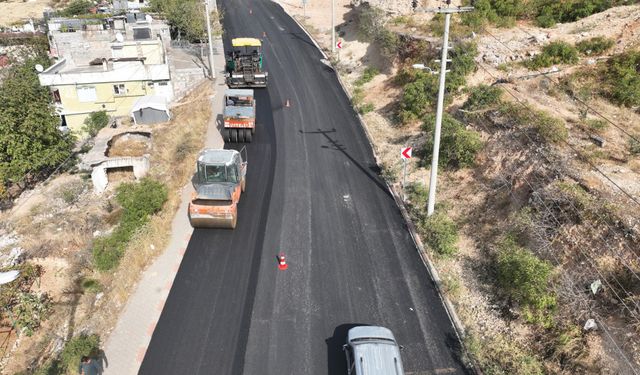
372 350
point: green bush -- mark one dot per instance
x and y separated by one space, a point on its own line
76 8
634 146
367 76
421 93
440 233
75 349
623 79
91 285
550 128
525 279
483 96
371 28
366 108
139 201
95 122
554 53
596 125
29 311
594 46
458 146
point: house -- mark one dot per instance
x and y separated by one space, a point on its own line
112 85
129 5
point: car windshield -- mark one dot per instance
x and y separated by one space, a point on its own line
218 173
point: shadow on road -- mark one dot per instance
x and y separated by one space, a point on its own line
336 361
336 145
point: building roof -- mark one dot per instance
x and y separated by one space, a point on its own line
246 42
151 101
62 73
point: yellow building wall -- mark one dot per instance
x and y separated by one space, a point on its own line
106 100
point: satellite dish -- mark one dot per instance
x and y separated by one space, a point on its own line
39 68
9 276
119 37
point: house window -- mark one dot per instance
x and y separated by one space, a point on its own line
56 96
86 94
119 89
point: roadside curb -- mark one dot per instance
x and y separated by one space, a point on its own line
426 259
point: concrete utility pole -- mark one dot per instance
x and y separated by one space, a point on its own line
443 71
333 26
212 71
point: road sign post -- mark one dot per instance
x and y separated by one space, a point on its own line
405 154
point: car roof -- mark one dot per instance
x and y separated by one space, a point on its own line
375 351
370 331
216 156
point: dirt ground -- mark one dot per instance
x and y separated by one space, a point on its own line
14 11
500 48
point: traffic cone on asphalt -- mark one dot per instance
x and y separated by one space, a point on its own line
287 104
282 262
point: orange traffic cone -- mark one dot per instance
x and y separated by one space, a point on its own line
287 104
282 262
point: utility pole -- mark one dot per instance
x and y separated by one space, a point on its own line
212 71
448 11
333 26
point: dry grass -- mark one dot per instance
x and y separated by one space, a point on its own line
175 147
129 147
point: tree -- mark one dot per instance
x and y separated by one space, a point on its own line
458 146
30 141
77 7
95 122
186 17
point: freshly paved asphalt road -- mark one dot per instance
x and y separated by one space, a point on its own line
313 193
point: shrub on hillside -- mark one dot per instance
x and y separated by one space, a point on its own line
371 28
139 201
367 76
554 53
421 93
623 80
594 46
525 279
458 146
482 96
440 233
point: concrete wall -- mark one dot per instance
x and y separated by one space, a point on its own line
99 174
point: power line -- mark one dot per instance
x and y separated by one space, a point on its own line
544 74
571 146
573 285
